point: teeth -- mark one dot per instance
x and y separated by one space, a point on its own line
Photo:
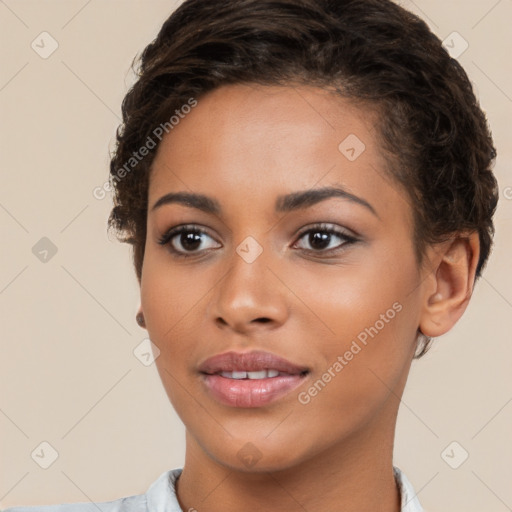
257 375
261 374
238 375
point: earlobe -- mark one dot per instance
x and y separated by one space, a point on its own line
449 289
140 318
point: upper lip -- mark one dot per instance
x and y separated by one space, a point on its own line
250 362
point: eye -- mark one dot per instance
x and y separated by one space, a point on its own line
322 239
190 240
186 239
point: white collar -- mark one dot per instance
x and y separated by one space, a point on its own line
161 495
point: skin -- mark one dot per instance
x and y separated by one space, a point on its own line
245 146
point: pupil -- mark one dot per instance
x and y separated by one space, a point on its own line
190 240
319 240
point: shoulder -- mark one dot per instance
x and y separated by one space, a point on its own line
161 493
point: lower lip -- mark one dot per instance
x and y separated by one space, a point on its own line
251 392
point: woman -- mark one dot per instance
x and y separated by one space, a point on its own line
307 188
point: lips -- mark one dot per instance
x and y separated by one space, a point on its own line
255 361
251 379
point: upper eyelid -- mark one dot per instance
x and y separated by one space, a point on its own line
174 231
327 226
321 226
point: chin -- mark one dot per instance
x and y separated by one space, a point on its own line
257 455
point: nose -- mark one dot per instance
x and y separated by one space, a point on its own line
249 297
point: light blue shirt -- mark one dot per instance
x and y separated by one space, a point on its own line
161 497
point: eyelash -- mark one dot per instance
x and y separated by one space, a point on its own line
324 228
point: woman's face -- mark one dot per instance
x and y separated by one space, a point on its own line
327 281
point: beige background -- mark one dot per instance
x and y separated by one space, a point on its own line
68 373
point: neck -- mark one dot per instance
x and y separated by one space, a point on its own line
353 475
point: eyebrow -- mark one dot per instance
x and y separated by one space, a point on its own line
286 203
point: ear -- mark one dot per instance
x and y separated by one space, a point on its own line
449 286
139 317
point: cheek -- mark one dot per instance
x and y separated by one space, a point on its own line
348 298
169 298
363 375
169 294
372 318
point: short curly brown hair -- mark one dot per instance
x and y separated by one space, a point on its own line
431 126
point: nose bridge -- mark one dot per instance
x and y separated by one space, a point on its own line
249 291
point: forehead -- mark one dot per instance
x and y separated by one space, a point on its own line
259 142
